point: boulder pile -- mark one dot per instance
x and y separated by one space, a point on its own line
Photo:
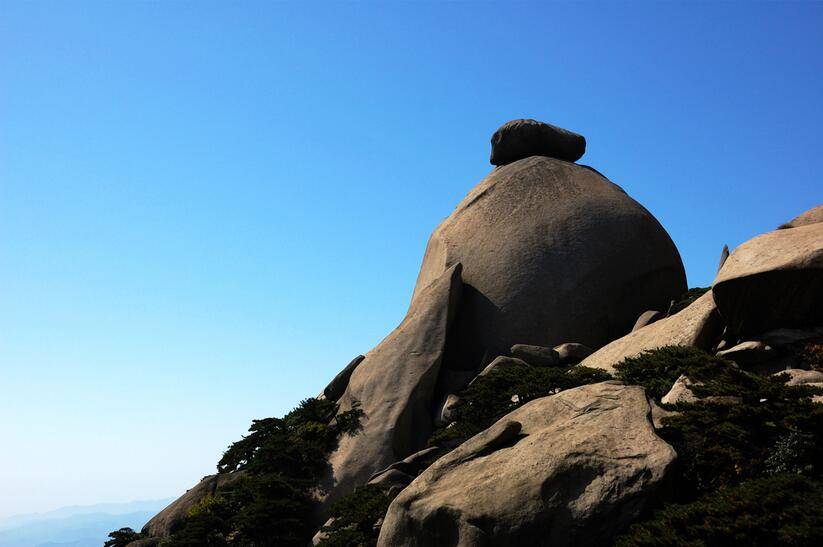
549 271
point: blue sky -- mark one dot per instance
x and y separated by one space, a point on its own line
206 209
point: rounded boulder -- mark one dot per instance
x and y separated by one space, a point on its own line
551 251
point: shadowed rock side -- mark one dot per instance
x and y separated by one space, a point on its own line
395 386
774 280
570 469
698 325
552 252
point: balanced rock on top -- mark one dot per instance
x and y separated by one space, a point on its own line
520 139
551 251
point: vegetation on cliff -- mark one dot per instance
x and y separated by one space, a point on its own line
281 459
504 389
748 472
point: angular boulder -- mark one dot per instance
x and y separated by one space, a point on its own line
773 281
519 139
748 353
551 251
697 325
799 377
536 355
444 415
812 216
163 524
572 352
395 387
571 469
681 392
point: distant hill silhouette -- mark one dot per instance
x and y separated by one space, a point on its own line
77 526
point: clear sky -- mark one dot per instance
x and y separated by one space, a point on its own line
206 210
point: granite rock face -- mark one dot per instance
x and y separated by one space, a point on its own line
773 281
812 216
395 387
551 252
519 139
570 469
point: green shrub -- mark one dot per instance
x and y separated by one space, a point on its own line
657 370
723 444
122 537
283 459
491 397
730 482
355 518
769 511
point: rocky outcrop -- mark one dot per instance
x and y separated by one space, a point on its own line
519 139
164 522
812 216
395 387
551 252
773 281
570 469
697 325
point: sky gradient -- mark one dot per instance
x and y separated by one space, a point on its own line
206 210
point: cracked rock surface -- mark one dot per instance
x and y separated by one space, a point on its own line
570 469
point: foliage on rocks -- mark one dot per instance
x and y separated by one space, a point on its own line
283 458
730 455
768 511
355 517
504 389
121 537
687 298
657 370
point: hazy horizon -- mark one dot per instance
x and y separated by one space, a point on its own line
206 210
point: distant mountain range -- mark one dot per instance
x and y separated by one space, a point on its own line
76 526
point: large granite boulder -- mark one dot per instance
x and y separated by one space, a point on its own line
163 524
812 216
697 325
571 469
520 139
773 281
551 251
395 387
